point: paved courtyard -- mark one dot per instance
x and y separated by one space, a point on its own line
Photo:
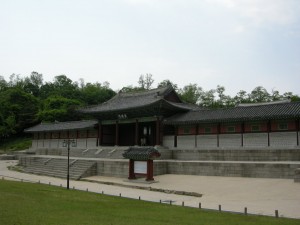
260 196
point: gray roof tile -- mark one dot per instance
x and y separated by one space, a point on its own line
239 113
59 126
141 153
127 101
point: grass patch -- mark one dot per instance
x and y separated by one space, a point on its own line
39 204
15 144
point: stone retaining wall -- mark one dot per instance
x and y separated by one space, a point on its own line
297 175
120 168
233 169
238 154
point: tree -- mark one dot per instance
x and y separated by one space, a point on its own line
290 95
146 81
59 108
166 83
93 94
33 83
18 110
259 94
223 100
3 84
190 93
62 86
15 81
241 97
130 88
275 96
207 98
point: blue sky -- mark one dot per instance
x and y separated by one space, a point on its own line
240 44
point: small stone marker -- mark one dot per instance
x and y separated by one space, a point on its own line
276 213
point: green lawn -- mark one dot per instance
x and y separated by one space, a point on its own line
39 204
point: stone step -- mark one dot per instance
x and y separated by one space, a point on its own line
58 167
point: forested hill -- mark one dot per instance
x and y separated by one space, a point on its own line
26 101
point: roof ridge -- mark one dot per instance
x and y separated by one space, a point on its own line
159 90
285 101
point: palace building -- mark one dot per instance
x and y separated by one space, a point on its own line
189 138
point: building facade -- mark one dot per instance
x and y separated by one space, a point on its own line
159 118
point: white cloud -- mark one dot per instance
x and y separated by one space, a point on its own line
239 29
261 12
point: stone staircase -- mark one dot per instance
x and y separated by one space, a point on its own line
57 167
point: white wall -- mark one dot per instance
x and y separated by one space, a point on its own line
168 141
230 140
256 140
186 141
91 142
287 139
54 143
207 141
81 143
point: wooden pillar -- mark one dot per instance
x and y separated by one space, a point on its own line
117 133
149 170
86 138
269 130
196 134
131 170
242 135
218 134
99 138
157 141
136 139
44 137
175 136
297 131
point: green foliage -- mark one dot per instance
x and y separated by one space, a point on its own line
33 84
59 108
93 94
3 84
61 86
130 88
15 144
190 93
167 82
18 110
35 204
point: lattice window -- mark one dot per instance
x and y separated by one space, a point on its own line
255 128
186 130
283 126
231 129
207 130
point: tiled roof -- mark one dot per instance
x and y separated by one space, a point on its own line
59 126
127 101
239 113
141 153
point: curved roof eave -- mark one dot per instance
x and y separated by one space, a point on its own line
61 126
